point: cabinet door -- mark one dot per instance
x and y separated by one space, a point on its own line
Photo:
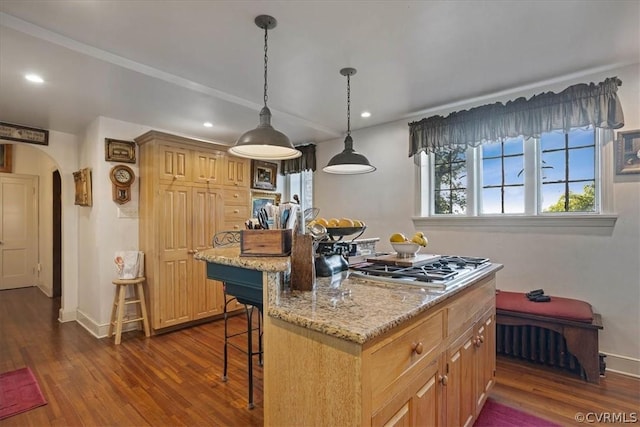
459 382
172 305
207 167
174 164
207 295
236 171
417 405
485 358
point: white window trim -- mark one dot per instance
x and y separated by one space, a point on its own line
605 219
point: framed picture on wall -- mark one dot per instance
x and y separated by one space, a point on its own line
82 179
6 156
259 199
628 152
119 151
263 175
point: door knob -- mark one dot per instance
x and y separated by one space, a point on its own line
192 251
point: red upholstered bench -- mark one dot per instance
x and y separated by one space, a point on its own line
518 332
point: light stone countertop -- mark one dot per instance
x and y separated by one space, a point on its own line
353 309
359 310
230 255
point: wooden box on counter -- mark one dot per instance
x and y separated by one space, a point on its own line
265 242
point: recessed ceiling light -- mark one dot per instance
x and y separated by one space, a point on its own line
34 78
365 114
208 124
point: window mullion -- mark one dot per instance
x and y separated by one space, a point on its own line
473 181
531 176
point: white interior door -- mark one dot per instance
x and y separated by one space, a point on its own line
18 230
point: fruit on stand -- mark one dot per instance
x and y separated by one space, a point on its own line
398 238
420 239
337 223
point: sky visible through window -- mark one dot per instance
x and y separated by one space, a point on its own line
503 170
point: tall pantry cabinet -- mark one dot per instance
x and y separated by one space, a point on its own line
189 190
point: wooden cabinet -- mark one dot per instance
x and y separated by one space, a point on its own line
485 358
236 172
182 205
429 371
417 404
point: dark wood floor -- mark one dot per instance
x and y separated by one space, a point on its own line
174 379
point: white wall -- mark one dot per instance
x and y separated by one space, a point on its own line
61 154
602 268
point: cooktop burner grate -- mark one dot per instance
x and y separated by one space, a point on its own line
442 269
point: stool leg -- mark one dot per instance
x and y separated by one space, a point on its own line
143 308
113 311
121 297
226 337
249 312
260 353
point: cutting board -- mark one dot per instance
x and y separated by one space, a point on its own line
392 259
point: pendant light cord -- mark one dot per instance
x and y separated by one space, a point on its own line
348 104
266 58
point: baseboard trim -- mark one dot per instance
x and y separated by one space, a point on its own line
624 365
88 323
66 316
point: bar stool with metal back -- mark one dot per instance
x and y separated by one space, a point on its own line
227 239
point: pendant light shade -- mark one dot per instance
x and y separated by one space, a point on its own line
349 162
264 142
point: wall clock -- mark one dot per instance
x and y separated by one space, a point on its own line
122 178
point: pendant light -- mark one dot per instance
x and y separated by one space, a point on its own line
348 162
264 142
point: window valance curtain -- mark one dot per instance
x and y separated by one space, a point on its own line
302 163
577 106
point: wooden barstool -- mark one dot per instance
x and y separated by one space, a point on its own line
120 301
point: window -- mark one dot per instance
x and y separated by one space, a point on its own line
568 171
450 195
503 177
556 173
300 184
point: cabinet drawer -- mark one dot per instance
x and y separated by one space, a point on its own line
232 225
236 196
236 212
412 349
467 310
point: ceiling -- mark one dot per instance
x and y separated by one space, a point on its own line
173 65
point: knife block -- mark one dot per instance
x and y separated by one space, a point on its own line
303 274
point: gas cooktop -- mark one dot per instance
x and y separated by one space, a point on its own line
440 272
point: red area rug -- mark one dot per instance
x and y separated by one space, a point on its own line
494 414
19 392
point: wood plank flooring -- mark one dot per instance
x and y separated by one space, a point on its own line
174 379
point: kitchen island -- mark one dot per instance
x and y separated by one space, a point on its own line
364 352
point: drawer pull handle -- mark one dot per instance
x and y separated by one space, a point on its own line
236 227
236 195
444 380
417 347
236 211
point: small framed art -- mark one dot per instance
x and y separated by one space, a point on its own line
628 152
263 175
119 151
